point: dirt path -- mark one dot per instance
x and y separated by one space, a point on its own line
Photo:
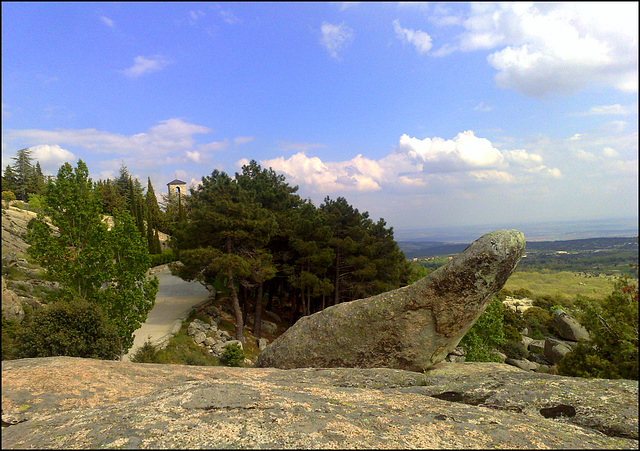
174 300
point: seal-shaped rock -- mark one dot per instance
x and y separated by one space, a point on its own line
411 328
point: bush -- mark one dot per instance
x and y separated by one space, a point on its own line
539 322
74 328
485 335
10 329
147 353
522 293
515 350
613 326
166 256
8 196
551 303
36 202
233 355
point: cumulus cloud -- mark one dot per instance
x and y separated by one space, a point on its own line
420 39
194 156
416 164
51 157
335 38
610 152
170 136
555 48
145 65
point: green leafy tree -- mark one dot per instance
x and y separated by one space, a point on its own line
612 323
485 335
225 231
103 266
129 295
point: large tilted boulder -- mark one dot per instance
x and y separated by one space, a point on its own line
568 328
410 328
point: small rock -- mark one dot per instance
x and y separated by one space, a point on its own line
199 337
536 346
523 364
209 341
555 350
262 343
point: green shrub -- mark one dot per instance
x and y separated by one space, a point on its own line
74 328
10 329
8 196
539 322
147 353
613 326
166 256
233 355
584 361
522 293
514 350
485 335
36 202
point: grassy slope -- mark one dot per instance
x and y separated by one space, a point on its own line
567 283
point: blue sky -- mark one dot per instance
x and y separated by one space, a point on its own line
425 114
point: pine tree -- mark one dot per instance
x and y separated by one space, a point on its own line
224 235
9 180
24 172
153 219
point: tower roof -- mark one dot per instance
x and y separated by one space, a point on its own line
177 182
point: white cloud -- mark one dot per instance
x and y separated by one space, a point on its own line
555 47
215 146
584 155
242 140
610 152
335 38
420 39
415 164
464 152
482 107
194 156
616 109
145 65
168 137
51 157
108 22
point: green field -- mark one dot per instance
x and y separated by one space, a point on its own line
567 283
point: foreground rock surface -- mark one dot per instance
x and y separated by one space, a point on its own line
409 328
65 402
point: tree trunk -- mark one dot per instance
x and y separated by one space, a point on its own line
236 308
257 315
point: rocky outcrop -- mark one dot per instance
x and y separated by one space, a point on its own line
568 328
65 402
410 328
11 306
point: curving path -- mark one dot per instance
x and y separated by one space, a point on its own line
174 300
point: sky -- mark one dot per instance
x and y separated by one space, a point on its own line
424 114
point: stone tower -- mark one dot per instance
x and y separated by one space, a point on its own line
178 187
